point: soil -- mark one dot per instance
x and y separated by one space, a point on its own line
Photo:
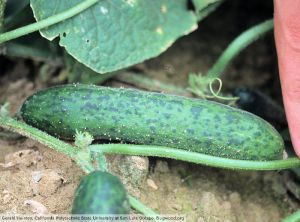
36 179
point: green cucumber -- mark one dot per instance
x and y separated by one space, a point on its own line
100 193
154 119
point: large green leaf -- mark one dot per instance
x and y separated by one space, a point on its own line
115 34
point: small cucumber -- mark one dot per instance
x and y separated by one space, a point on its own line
100 193
153 118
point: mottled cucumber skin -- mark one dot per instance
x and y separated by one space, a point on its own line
100 193
153 118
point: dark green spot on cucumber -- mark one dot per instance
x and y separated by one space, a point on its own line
178 122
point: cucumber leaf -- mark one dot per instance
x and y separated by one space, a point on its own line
114 34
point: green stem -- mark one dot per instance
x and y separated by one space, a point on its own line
33 133
47 22
193 157
240 43
20 50
47 140
101 161
151 84
144 150
56 144
136 204
295 217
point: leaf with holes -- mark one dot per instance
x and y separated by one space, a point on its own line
114 34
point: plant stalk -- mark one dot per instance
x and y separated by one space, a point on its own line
151 84
193 157
45 139
60 146
240 43
47 22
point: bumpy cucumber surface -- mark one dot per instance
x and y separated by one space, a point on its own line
153 118
100 193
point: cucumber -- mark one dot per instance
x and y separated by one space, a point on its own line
154 119
100 193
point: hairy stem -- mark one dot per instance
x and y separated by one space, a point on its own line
193 157
47 22
45 139
240 43
80 157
